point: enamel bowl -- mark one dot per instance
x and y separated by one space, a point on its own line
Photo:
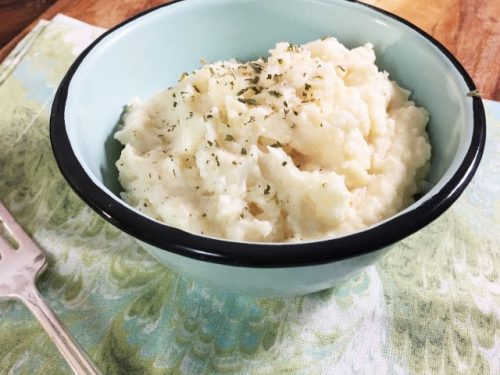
148 52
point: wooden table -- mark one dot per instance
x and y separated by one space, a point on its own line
16 14
470 29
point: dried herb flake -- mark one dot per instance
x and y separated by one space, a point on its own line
249 101
256 67
253 80
275 93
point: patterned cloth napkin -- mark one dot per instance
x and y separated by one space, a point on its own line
431 306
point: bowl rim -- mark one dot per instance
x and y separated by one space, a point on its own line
262 255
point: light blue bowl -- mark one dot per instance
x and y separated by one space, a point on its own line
149 52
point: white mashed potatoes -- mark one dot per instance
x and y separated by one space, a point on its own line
313 142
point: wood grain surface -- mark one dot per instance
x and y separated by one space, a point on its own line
15 15
470 29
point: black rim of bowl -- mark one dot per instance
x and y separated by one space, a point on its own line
262 255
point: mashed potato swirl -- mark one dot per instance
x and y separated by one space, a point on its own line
312 142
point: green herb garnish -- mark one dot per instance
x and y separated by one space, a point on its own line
256 67
242 91
248 101
275 93
253 80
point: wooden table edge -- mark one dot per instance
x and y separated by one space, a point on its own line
59 7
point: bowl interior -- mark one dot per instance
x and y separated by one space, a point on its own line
150 52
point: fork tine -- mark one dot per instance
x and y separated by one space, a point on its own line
4 247
18 281
25 242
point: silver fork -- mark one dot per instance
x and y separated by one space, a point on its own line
21 261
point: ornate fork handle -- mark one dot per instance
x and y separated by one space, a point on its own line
20 263
76 357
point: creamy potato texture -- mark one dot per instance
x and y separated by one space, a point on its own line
312 142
